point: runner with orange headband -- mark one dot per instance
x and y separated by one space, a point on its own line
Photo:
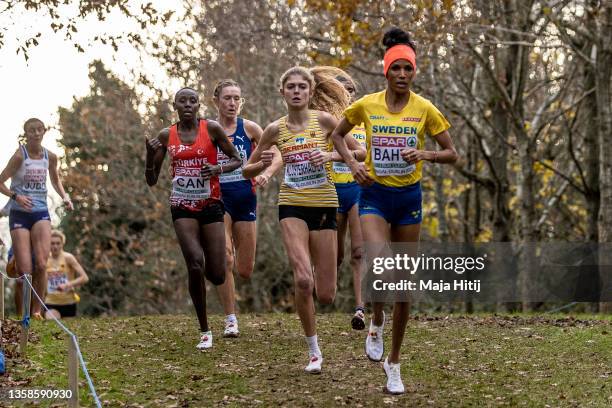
396 122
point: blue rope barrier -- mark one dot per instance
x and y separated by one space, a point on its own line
26 323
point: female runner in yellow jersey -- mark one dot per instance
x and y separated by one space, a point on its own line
64 274
347 189
348 212
307 198
396 121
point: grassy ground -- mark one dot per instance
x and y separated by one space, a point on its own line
448 361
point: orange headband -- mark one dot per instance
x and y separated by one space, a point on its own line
400 51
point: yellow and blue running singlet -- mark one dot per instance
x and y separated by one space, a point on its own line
341 173
396 192
347 188
387 134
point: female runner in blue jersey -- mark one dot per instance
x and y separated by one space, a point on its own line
238 195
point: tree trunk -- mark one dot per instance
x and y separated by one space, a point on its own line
604 120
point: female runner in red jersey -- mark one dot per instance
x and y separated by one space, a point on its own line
195 200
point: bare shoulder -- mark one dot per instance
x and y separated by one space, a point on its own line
17 156
273 128
327 120
214 126
252 128
52 156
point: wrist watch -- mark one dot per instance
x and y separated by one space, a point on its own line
13 196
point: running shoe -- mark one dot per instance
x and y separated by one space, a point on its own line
374 346
358 321
394 379
314 365
37 316
205 341
231 329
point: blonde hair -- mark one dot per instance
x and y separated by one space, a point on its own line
297 70
59 234
329 93
223 84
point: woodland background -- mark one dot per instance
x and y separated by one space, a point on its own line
526 86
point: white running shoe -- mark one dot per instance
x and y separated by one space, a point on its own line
374 346
205 341
394 379
231 329
314 365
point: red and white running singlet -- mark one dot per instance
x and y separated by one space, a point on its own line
189 190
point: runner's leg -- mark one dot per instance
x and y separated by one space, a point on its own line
188 235
40 235
401 310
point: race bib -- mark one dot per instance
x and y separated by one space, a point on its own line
35 181
187 184
234 175
341 168
300 173
386 157
54 280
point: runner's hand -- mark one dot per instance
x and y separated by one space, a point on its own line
209 170
412 156
24 201
63 287
266 157
319 158
68 203
153 145
262 180
360 174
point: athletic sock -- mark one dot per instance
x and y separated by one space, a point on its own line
313 345
231 318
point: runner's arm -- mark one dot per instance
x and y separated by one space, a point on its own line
359 171
254 130
264 154
448 154
219 138
9 171
357 151
156 151
56 182
81 278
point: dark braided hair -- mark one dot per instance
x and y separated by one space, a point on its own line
396 36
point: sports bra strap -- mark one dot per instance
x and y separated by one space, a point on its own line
240 127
